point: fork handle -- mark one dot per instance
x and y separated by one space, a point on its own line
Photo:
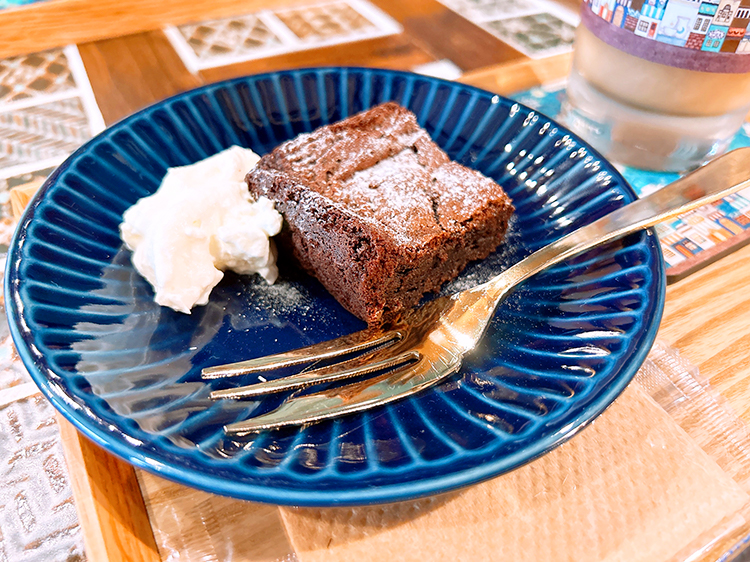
721 177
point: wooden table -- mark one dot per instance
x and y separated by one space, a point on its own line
131 64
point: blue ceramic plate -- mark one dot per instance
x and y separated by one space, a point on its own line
126 372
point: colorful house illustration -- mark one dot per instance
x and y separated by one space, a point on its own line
737 28
652 12
744 46
719 27
601 8
620 12
708 25
706 13
714 38
607 9
725 12
633 14
678 21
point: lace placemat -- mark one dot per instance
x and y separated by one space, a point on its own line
38 520
47 110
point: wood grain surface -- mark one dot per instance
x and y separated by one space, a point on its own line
397 52
449 36
54 23
707 317
108 499
516 76
432 32
129 73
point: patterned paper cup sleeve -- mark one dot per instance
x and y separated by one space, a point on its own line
707 36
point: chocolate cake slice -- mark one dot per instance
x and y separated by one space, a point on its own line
377 211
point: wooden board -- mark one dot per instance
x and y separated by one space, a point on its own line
432 32
110 507
516 76
398 52
54 23
707 317
129 73
452 37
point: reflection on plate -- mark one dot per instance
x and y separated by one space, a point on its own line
126 372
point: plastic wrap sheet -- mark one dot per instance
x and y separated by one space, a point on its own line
662 475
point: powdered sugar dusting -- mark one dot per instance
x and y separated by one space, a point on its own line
464 191
429 216
283 297
403 162
393 193
383 167
510 252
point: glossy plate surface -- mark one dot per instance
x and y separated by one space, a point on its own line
126 372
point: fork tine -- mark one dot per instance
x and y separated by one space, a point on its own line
350 343
351 398
361 365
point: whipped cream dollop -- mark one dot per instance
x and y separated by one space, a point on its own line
201 222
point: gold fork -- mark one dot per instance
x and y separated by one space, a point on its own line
427 344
